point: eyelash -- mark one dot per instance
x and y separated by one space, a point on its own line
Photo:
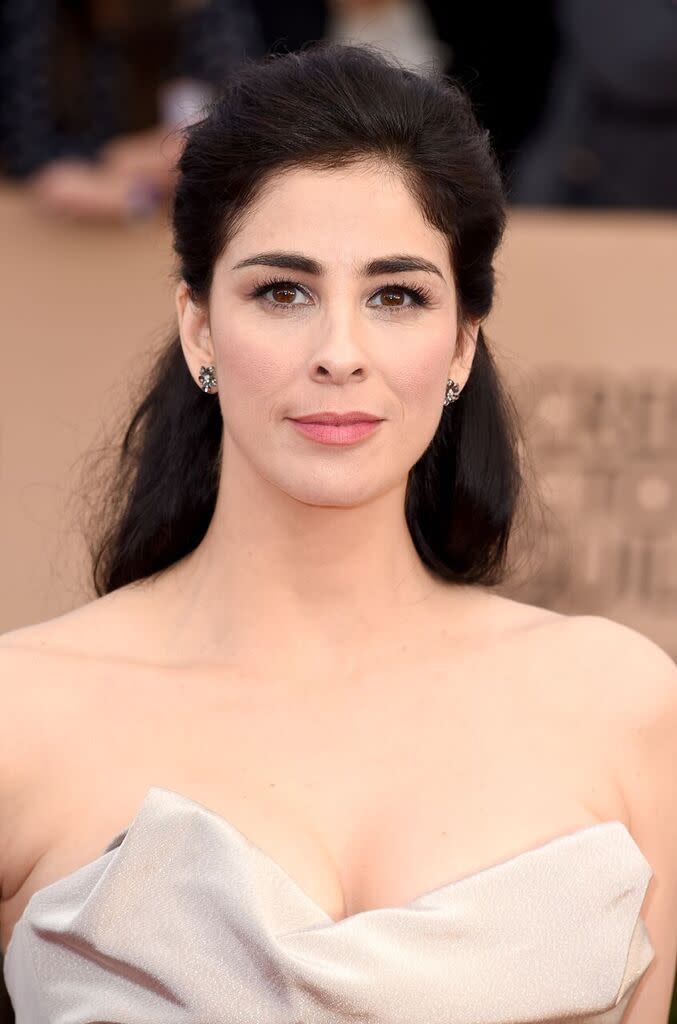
420 294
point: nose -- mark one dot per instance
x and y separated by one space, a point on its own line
340 353
338 371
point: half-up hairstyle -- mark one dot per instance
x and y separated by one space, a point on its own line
324 106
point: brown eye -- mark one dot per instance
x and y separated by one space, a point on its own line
387 296
279 291
393 297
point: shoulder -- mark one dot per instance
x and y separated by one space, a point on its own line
631 683
26 729
583 646
641 698
636 670
18 676
42 668
76 632
44 699
615 678
30 692
112 626
630 674
640 690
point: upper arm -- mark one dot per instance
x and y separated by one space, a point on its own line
8 749
643 678
20 743
6 769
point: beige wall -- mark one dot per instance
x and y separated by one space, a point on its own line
584 329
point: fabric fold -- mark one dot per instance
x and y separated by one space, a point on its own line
184 919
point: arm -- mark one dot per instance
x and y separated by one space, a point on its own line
651 787
6 1011
642 686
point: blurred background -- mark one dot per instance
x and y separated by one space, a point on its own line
580 99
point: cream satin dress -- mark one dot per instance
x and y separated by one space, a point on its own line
183 919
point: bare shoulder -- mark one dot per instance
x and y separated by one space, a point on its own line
640 688
618 678
607 664
81 631
34 684
635 670
46 673
28 702
621 678
625 685
42 666
22 687
641 684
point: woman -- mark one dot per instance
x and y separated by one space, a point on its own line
296 761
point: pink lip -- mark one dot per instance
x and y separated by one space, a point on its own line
337 418
337 434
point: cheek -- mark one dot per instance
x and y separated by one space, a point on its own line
251 363
421 373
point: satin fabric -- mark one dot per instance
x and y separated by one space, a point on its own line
184 919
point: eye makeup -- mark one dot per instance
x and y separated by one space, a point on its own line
420 295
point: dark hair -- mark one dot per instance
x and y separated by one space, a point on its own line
325 106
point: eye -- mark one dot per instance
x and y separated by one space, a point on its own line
419 295
279 287
394 295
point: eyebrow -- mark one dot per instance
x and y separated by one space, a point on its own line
396 264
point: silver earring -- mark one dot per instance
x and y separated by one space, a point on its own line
207 377
453 391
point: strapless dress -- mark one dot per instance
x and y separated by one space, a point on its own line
184 920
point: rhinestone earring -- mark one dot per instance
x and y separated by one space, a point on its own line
453 391
207 377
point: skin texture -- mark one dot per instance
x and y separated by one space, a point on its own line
377 732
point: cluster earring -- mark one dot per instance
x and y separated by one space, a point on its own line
207 377
453 391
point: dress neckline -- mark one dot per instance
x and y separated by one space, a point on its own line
155 792
572 836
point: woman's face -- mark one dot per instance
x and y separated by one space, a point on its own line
335 336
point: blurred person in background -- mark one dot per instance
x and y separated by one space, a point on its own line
95 88
608 137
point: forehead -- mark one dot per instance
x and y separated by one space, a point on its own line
341 217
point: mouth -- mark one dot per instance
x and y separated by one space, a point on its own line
338 419
335 428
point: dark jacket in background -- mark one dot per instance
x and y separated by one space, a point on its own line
70 82
608 136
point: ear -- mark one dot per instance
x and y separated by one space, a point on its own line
193 324
466 344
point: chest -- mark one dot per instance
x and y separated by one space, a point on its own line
365 801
